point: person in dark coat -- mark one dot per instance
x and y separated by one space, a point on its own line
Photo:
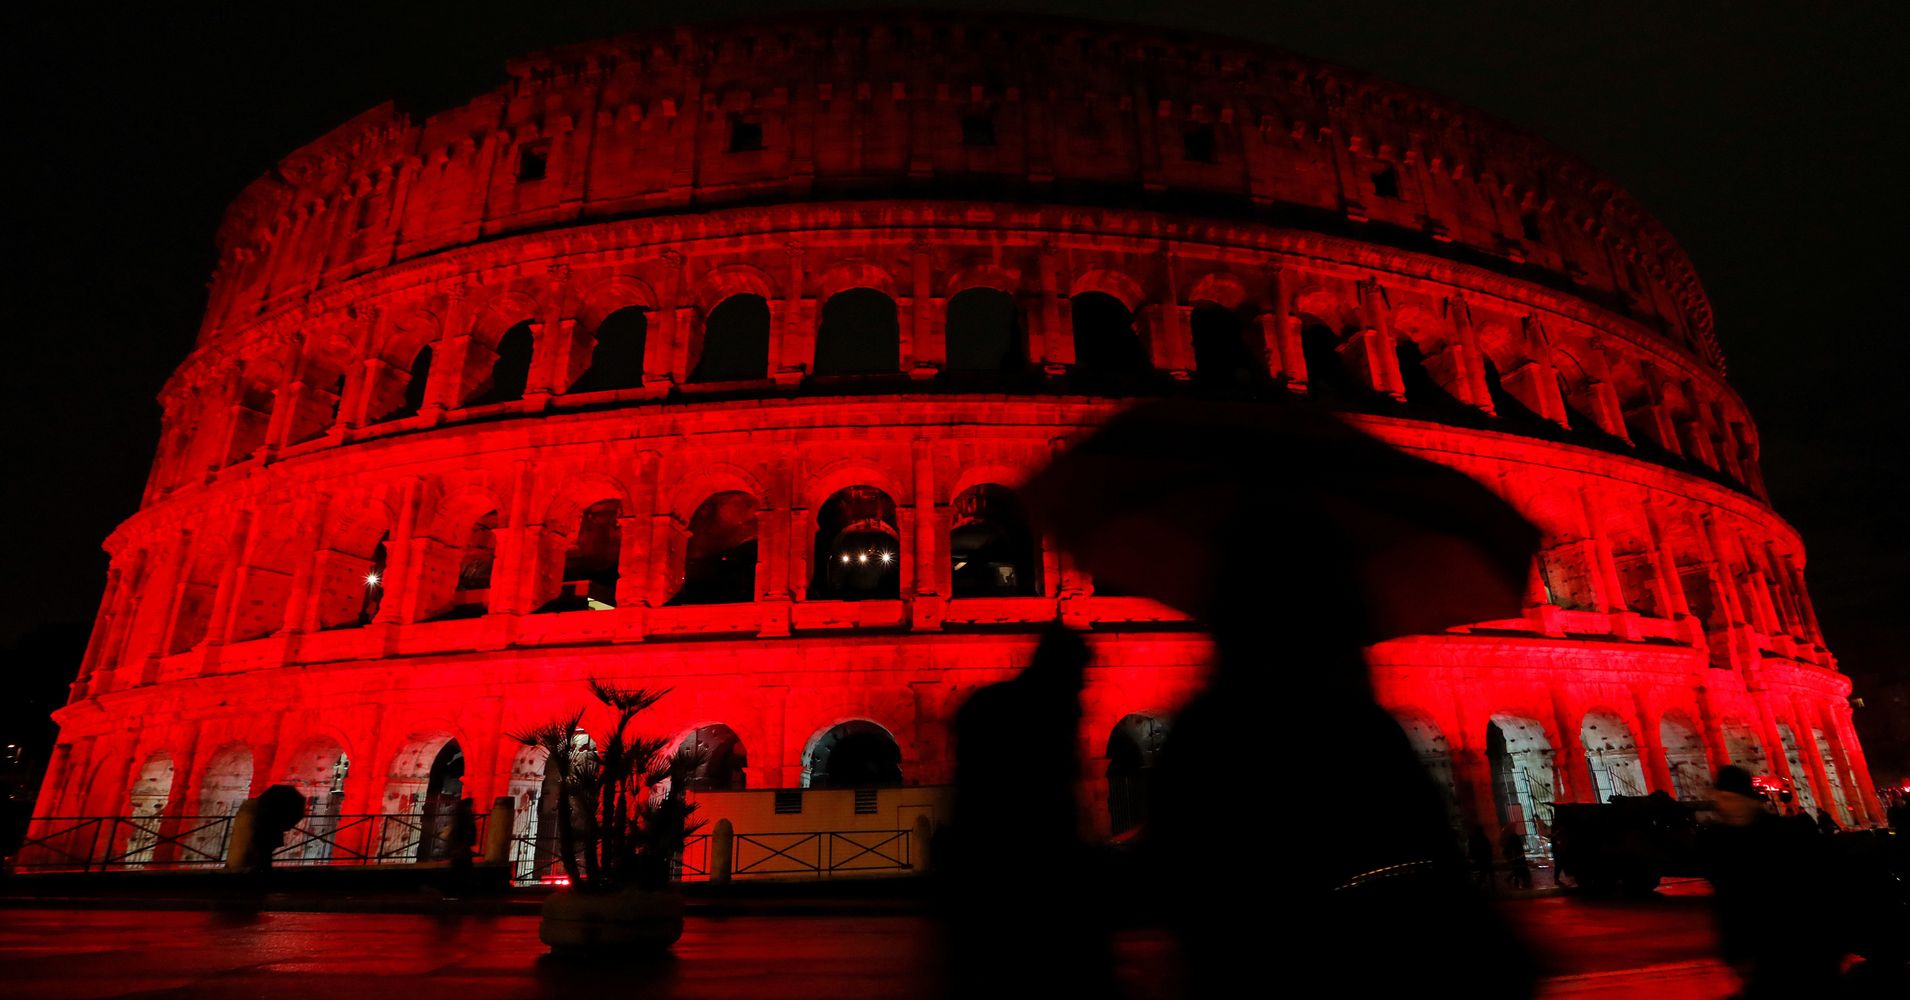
1768 873
1827 825
1479 850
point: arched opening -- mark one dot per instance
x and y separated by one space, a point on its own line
859 334
1327 376
983 332
1133 752
1611 756
534 789
721 759
417 380
1424 393
1741 743
226 785
1435 755
1803 794
735 341
991 550
317 406
855 754
374 580
1685 757
1524 783
471 593
1224 360
1837 798
146 806
858 550
421 797
265 580
510 371
318 770
719 563
590 563
1105 342
616 359
192 617
349 575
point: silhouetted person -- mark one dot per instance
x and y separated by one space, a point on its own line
1512 845
1016 768
1767 874
280 808
1479 850
1827 825
461 843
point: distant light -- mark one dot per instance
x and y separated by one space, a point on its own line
845 557
886 555
864 557
371 579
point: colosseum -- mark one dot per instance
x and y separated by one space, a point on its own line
711 358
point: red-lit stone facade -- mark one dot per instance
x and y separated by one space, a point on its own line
572 481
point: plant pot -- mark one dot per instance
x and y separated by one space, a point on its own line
629 921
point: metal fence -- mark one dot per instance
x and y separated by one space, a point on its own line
124 843
134 843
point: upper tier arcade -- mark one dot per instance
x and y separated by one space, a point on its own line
948 107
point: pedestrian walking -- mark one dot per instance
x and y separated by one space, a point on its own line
1512 845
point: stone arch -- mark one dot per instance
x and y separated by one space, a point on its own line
723 759
1743 747
1133 753
318 769
732 280
732 341
580 548
1106 340
983 331
1611 755
611 355
858 546
618 292
349 581
1228 353
992 550
853 273
192 613
279 542
147 799
534 790
1116 285
981 274
857 753
846 471
1435 755
1685 757
224 784
859 332
1839 802
1524 779
1802 790
425 783
1222 288
455 579
720 551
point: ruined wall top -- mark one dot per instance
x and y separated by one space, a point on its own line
978 108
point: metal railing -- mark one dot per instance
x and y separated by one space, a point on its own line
124 843
821 854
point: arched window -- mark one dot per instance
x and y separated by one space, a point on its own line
1741 743
1801 788
226 784
1133 751
1105 342
511 371
374 584
858 551
1424 393
1611 755
318 770
416 381
735 341
616 359
856 754
471 595
590 568
983 332
444 788
1524 785
991 551
151 790
1224 360
1327 376
719 564
1685 757
721 759
859 334
1435 755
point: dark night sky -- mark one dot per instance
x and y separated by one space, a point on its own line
1769 137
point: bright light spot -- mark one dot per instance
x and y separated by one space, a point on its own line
371 579
845 557
864 557
886 556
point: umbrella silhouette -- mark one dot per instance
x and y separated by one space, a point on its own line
1169 498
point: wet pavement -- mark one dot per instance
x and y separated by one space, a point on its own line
1655 947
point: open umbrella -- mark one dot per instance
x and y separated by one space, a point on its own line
1167 497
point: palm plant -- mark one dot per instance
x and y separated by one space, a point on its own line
623 798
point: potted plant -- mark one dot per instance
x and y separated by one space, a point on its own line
622 819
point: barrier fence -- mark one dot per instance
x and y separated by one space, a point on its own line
160 843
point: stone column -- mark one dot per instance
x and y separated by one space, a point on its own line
666 353
925 354
1054 334
404 554
1840 717
792 350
